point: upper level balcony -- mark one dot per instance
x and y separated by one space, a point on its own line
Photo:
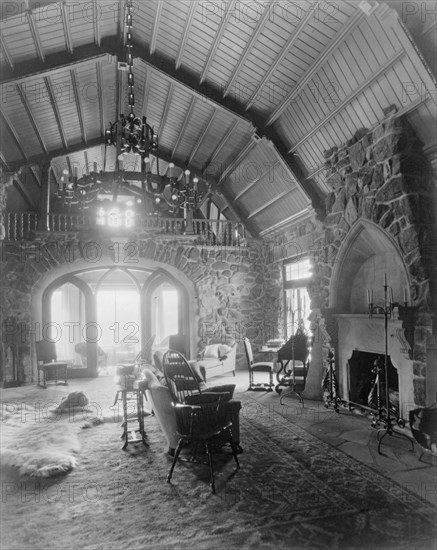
21 226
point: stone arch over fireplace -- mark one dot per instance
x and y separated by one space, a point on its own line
366 256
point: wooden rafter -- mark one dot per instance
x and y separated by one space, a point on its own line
55 108
220 146
66 26
285 49
201 138
255 181
6 53
35 174
29 112
241 155
354 20
186 34
156 25
166 108
218 37
96 23
248 48
78 100
340 106
146 93
14 134
272 201
99 78
187 120
35 35
24 192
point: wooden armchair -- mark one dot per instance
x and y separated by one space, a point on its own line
47 364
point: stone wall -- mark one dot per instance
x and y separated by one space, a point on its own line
383 177
238 290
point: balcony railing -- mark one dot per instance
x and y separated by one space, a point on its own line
21 226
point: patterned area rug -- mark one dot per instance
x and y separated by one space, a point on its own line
292 491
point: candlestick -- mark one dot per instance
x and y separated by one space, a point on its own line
368 297
95 167
405 296
385 279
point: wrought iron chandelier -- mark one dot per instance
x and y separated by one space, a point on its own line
131 134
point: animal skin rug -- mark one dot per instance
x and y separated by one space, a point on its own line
42 441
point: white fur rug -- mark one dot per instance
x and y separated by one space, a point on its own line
38 443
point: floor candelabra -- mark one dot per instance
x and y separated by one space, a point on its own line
384 419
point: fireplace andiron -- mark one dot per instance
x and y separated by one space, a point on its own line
384 417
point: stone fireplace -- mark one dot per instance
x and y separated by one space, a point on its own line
380 223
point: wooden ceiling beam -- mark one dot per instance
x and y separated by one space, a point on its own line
220 146
55 108
201 138
218 38
99 78
35 174
66 26
166 109
285 49
248 48
237 160
186 33
35 35
156 25
24 192
187 120
6 53
13 134
78 101
96 23
340 106
255 181
339 38
270 202
29 112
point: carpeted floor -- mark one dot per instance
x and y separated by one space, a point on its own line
293 491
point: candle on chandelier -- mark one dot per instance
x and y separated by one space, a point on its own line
385 279
405 296
368 297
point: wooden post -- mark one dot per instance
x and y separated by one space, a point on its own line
43 222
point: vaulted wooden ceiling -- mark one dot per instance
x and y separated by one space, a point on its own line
247 93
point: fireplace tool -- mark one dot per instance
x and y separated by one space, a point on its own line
385 417
330 384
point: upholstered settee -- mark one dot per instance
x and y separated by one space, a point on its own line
217 359
160 401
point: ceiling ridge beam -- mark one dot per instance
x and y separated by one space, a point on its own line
55 108
255 181
340 106
66 26
214 46
353 22
77 97
201 137
186 32
187 120
35 35
237 160
285 50
220 146
156 24
28 109
14 135
6 52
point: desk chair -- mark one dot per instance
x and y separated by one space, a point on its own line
264 366
47 364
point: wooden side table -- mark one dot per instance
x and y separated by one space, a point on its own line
54 371
136 433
